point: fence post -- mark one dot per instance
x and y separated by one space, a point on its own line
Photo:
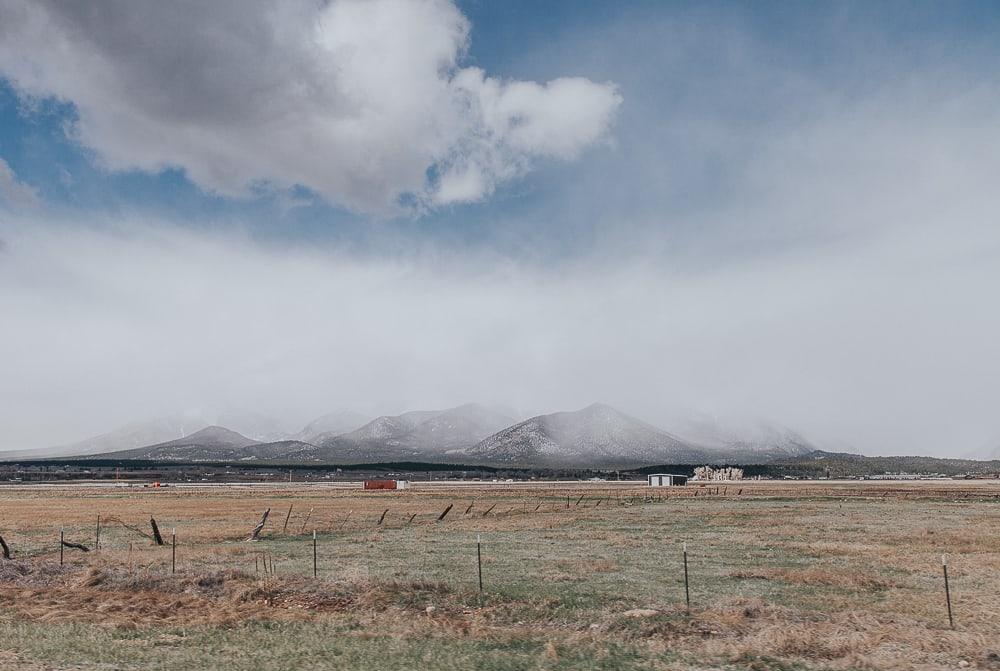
687 590
479 560
97 538
315 565
62 538
173 550
306 520
947 590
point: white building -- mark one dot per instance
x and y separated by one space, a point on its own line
666 480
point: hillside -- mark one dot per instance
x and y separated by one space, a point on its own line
597 435
330 425
130 436
161 430
840 465
747 441
417 434
213 443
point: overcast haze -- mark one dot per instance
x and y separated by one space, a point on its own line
787 213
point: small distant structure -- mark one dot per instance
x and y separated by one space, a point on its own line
387 484
725 474
666 480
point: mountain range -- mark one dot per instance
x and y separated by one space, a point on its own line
419 434
595 436
163 429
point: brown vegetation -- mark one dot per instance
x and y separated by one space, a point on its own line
800 579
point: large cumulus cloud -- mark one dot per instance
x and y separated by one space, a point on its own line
365 102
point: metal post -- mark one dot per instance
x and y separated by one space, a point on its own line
479 559
947 590
173 550
62 539
687 590
315 563
97 540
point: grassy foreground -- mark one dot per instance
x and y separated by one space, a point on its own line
777 582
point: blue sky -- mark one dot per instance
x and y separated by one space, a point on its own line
728 62
754 210
853 47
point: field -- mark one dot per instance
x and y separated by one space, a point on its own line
575 576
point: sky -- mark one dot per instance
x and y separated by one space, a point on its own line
784 212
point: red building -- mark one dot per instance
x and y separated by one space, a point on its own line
380 484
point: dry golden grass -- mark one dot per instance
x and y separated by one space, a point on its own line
796 576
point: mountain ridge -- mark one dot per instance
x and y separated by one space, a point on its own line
418 433
595 435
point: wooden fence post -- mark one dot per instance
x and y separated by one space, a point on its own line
947 590
260 526
687 590
157 538
479 560
306 520
445 513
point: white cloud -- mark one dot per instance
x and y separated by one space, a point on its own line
888 345
357 100
13 191
758 243
511 122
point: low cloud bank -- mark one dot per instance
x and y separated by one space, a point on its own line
107 325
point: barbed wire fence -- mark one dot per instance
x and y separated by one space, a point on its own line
405 545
